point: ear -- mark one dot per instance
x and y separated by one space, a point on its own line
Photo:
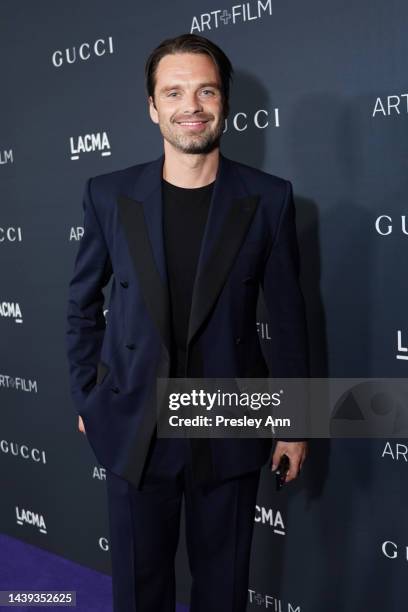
152 110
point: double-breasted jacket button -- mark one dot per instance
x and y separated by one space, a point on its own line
115 389
130 346
124 284
238 340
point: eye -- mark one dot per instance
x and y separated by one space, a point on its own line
172 93
209 91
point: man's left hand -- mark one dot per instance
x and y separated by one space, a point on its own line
296 452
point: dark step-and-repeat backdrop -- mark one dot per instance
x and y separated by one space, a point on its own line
320 97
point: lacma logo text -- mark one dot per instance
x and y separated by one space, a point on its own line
90 143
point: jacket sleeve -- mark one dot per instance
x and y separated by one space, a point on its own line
289 351
85 318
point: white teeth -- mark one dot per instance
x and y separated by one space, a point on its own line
190 122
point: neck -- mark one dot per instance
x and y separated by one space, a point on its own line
190 170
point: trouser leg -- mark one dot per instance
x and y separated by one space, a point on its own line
219 529
144 531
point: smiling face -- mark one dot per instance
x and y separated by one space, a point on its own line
188 102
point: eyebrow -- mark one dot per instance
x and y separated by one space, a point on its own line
178 86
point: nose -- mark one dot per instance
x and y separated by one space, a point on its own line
192 104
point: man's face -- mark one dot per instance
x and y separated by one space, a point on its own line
188 102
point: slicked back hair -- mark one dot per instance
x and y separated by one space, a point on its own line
190 43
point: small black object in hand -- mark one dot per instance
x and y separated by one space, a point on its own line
281 471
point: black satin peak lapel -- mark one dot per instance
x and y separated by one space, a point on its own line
212 274
152 281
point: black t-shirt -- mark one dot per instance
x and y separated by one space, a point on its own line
185 212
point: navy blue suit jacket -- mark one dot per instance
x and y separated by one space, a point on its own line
249 242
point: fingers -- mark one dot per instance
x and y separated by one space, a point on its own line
81 426
296 453
303 459
276 457
296 464
293 470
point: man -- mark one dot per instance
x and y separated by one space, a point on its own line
189 239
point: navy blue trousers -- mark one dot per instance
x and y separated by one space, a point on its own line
144 532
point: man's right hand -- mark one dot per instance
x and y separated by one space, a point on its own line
81 425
